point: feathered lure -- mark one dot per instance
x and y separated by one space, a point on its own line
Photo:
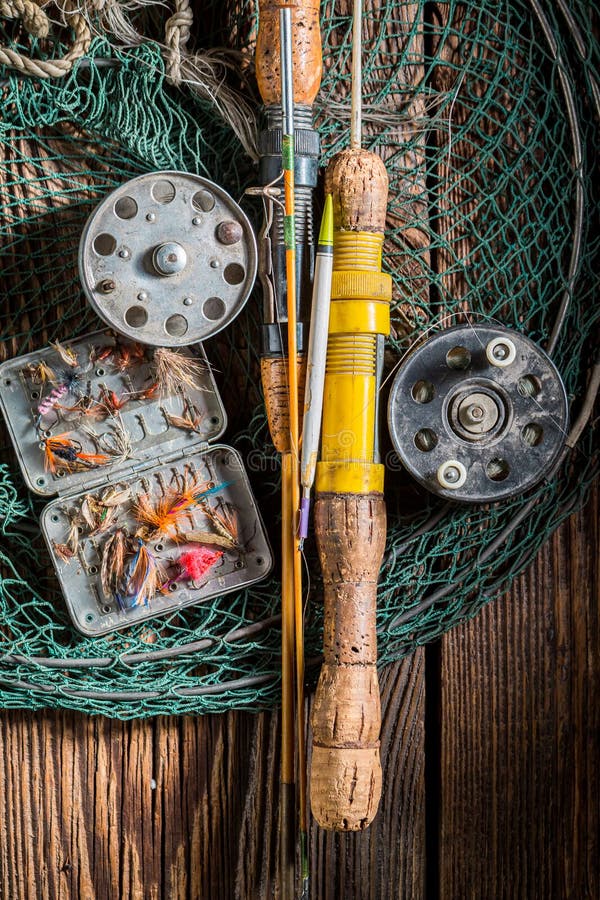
64 382
163 515
111 401
142 578
197 561
112 568
174 371
190 420
128 355
225 525
101 513
67 354
63 551
67 551
193 565
124 356
68 383
116 442
62 453
39 373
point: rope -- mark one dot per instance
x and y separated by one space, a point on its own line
34 19
177 34
37 25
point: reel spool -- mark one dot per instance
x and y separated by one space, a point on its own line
478 413
168 259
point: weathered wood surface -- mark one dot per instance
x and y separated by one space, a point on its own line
186 808
520 732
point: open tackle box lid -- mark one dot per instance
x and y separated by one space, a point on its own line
142 442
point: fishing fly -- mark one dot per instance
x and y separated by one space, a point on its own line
174 371
143 577
66 381
112 568
190 420
63 453
195 563
164 515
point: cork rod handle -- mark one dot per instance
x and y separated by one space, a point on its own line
306 50
346 769
350 515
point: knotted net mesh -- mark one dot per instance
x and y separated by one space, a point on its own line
485 115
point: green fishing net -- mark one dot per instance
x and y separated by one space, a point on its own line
486 116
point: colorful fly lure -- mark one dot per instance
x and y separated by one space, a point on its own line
63 551
68 550
190 420
126 356
164 515
195 492
101 513
111 401
114 553
193 565
62 453
225 529
69 383
39 373
67 354
144 576
66 381
196 562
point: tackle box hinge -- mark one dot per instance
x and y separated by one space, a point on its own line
88 486
168 458
182 453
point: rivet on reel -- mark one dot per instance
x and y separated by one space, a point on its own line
167 259
478 413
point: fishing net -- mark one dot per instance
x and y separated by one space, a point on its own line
485 114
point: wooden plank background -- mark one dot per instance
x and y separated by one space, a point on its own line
491 753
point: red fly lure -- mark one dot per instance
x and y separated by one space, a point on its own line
197 561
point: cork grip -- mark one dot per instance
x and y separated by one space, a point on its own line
274 376
306 50
346 770
358 183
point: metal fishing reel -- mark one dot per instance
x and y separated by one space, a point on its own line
478 413
168 259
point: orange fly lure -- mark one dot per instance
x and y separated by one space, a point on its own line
164 515
60 452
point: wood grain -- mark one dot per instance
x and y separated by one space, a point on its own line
520 728
187 808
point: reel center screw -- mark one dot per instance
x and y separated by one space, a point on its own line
169 258
478 413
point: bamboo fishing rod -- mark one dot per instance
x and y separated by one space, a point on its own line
288 69
350 514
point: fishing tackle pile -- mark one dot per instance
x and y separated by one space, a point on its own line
148 520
